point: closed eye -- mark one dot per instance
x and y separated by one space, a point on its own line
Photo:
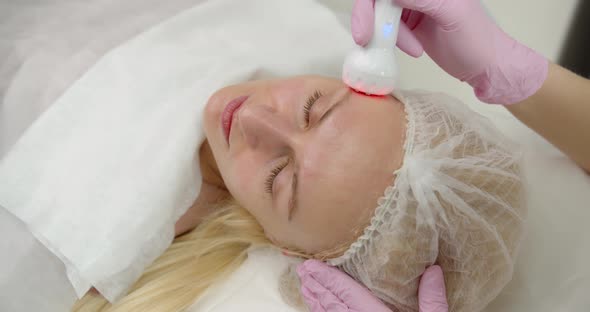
275 171
273 175
309 104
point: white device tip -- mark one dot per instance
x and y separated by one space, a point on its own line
372 71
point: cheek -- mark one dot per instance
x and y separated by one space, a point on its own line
242 178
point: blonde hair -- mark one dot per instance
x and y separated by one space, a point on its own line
194 261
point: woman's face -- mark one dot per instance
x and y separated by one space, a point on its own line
306 156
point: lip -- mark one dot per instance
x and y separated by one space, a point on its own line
228 115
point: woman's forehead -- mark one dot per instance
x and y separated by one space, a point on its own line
350 166
341 175
355 142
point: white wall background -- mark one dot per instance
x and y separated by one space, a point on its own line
540 24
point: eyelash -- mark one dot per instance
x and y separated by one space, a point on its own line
273 175
306 110
309 104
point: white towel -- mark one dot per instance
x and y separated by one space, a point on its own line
102 176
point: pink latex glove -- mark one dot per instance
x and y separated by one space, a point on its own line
464 41
327 289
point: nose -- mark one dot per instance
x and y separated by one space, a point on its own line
265 127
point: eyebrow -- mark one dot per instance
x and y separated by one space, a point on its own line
293 203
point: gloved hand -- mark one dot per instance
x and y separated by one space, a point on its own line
463 40
327 289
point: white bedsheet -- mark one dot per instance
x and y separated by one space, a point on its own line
552 274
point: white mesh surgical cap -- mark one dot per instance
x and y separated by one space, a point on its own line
457 201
